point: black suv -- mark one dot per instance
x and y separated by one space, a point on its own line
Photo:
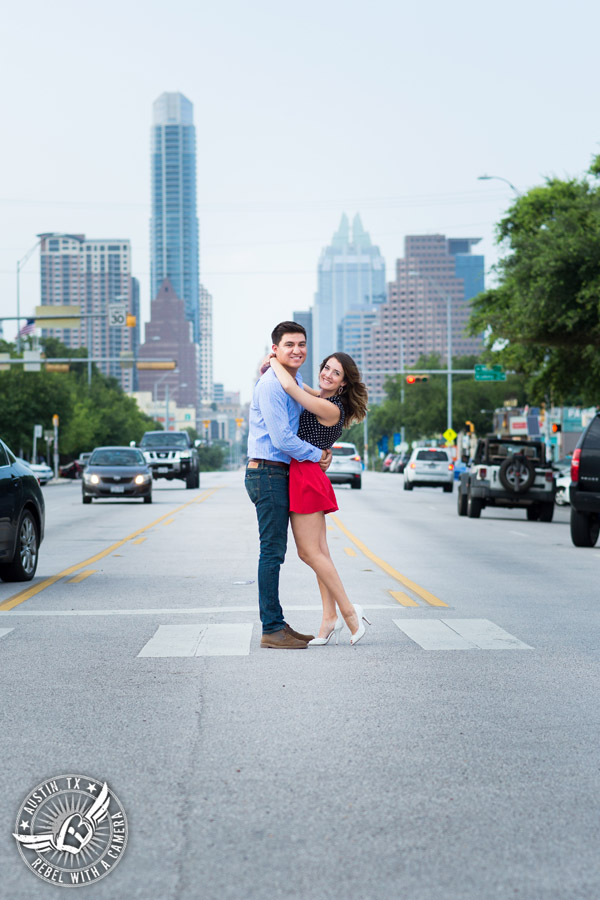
585 487
171 454
21 518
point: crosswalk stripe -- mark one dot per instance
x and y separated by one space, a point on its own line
459 634
4 631
199 640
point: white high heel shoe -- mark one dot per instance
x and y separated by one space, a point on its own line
361 628
320 642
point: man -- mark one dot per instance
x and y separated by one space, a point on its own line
272 442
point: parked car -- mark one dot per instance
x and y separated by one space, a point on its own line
585 487
429 467
399 462
83 459
22 514
387 462
116 472
71 469
42 472
509 472
346 465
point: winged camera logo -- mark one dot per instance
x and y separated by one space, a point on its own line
71 830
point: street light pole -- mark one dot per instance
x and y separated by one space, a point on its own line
499 178
449 348
20 263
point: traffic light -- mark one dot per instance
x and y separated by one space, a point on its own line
556 428
470 426
130 321
413 379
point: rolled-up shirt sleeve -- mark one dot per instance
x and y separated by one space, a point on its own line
276 416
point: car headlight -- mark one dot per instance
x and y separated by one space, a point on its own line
184 455
141 479
91 479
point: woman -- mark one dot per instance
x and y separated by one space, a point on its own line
341 399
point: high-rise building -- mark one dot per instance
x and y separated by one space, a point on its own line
174 252
94 275
437 276
351 276
304 318
169 337
206 348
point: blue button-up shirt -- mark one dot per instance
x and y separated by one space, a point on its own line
273 423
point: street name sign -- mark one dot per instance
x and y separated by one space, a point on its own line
496 373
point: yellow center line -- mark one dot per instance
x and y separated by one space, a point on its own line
47 582
349 551
139 541
403 598
421 592
81 576
168 522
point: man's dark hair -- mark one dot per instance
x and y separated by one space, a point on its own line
286 328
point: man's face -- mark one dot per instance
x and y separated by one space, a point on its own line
291 351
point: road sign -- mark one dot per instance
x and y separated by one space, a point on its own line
117 315
449 435
496 373
58 316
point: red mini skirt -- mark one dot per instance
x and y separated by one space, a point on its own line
310 489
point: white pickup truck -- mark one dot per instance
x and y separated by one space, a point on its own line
508 472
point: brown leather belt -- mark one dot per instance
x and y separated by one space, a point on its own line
269 462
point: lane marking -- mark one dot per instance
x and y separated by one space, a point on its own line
199 640
520 533
81 576
403 598
421 592
22 596
168 522
350 551
459 634
178 611
5 631
139 541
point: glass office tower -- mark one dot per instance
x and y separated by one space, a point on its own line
174 223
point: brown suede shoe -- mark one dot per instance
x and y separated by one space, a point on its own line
282 640
299 637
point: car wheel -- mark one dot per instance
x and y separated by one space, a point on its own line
85 499
562 497
197 480
461 502
533 512
148 498
546 512
448 488
24 564
474 506
516 474
407 485
356 484
585 528
190 481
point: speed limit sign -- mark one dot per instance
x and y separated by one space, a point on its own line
117 314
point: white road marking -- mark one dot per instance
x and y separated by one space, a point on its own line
176 611
4 631
459 634
520 533
199 640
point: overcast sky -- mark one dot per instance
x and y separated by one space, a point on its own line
302 111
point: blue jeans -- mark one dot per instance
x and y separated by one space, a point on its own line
267 487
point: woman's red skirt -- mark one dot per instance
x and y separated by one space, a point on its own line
310 489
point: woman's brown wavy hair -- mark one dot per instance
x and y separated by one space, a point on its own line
354 394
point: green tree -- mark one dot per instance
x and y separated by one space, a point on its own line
543 318
211 458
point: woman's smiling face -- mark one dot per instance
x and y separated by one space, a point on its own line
331 377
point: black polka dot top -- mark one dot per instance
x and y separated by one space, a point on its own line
321 436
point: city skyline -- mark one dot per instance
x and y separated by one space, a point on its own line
284 146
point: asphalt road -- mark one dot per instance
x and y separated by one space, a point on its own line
453 753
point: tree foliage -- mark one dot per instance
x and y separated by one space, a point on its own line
543 318
89 415
423 413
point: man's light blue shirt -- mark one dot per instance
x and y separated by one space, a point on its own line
273 424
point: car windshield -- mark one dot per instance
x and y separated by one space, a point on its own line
117 458
500 451
340 450
435 455
165 439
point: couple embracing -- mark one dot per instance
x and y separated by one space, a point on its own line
291 430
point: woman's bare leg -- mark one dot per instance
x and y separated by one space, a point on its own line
309 532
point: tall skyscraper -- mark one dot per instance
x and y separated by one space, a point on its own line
435 273
351 276
304 318
91 274
174 250
205 383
